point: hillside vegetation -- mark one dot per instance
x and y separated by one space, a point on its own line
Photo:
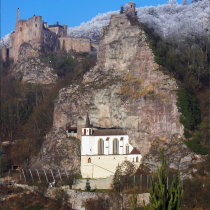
188 62
27 109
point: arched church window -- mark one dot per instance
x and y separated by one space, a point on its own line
137 159
115 146
133 159
100 146
89 160
127 149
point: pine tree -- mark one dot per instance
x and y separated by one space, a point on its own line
122 10
87 187
133 200
160 197
117 180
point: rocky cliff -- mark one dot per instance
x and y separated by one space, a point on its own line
124 90
30 67
178 156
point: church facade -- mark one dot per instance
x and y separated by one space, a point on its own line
102 150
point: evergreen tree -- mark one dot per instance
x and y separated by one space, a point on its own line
160 197
122 10
116 182
87 187
133 200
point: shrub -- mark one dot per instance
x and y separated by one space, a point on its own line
195 145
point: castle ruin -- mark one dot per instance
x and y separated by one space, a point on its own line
37 33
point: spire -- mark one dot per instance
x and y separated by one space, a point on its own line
87 124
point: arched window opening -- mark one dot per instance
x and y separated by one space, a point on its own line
133 159
115 146
127 149
100 146
89 160
137 159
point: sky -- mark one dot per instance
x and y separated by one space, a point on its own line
70 12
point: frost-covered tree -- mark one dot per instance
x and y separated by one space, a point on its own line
194 1
172 2
185 2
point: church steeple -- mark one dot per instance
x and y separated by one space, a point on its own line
87 124
87 130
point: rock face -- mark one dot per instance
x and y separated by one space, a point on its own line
177 154
30 68
58 151
124 90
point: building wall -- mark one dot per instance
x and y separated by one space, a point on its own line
77 44
131 10
89 144
102 166
29 31
4 53
50 39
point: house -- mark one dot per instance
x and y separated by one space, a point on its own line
102 150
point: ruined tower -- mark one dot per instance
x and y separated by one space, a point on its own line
132 9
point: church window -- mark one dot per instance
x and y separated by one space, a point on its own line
133 159
137 159
127 149
35 25
35 18
115 146
131 6
84 131
89 131
100 146
89 160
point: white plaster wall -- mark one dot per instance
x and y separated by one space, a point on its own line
85 149
101 166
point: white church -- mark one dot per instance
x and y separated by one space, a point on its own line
102 150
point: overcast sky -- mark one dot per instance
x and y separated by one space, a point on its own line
70 12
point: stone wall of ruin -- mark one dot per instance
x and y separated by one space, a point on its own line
77 44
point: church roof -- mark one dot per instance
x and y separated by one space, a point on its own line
108 132
135 151
87 124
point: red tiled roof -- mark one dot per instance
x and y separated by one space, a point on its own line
108 132
71 128
135 151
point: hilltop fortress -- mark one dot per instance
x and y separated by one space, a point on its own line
37 33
